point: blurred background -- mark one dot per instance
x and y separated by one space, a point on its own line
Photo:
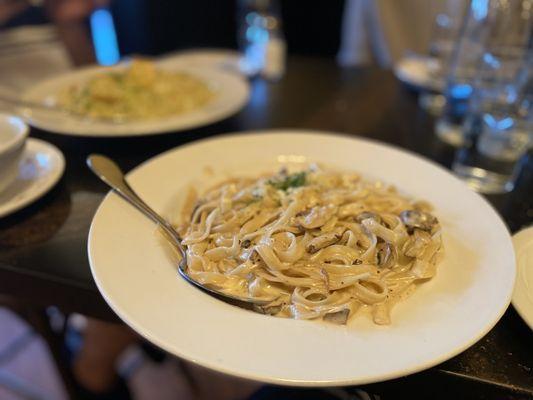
357 32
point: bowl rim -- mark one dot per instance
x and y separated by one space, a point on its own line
19 127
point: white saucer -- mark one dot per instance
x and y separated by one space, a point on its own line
41 167
523 291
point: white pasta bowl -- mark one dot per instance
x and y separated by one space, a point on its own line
138 277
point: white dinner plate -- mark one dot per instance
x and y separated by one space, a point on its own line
416 71
225 59
443 317
41 166
523 291
231 95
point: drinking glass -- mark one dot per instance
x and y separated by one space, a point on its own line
493 31
445 30
499 126
444 34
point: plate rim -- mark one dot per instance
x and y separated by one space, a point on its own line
518 306
497 315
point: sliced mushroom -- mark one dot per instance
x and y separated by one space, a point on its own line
339 317
317 217
368 215
272 310
418 219
254 256
386 255
322 241
417 243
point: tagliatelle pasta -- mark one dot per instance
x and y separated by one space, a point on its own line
315 243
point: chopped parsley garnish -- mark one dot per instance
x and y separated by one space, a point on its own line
290 181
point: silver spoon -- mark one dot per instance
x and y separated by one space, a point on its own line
109 172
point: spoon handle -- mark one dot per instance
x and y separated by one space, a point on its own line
109 172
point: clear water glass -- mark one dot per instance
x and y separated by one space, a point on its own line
499 126
492 28
491 163
444 34
445 31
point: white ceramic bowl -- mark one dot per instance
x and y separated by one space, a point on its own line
441 318
13 134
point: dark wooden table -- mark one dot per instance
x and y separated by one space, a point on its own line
43 257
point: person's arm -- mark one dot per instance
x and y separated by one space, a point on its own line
11 8
70 16
76 38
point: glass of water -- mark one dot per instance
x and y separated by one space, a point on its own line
493 39
444 34
499 126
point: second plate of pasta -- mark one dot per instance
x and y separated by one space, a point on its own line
137 98
371 262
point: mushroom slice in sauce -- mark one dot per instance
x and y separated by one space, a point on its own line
339 317
368 215
418 219
272 310
386 255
